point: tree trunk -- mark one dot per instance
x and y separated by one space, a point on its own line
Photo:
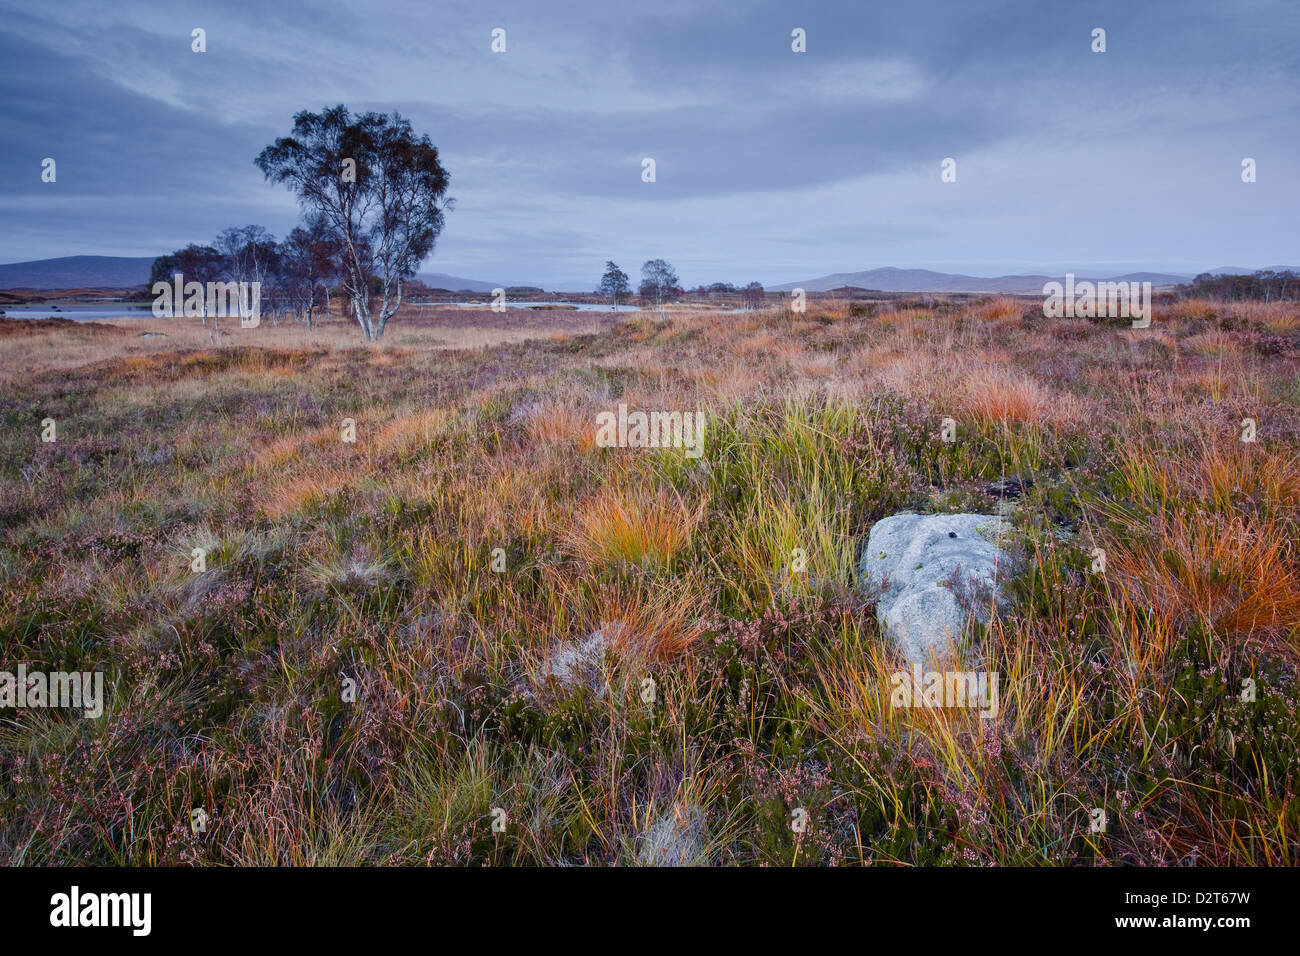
386 313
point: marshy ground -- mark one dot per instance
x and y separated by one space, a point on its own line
333 565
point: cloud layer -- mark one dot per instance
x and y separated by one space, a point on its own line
771 165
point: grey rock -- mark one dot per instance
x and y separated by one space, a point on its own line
932 574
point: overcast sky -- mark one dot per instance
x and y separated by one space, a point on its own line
771 165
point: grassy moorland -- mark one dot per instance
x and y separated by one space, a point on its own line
330 563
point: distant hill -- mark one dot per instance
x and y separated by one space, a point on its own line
124 272
129 272
1238 271
924 280
77 272
440 280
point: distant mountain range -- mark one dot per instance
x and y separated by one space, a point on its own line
125 272
77 272
1239 271
130 272
440 280
923 280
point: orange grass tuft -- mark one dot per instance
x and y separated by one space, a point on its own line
619 528
1237 578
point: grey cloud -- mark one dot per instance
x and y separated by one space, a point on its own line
544 144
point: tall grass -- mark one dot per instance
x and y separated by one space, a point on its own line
366 670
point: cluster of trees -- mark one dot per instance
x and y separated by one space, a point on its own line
1266 284
295 275
659 284
373 195
379 188
752 295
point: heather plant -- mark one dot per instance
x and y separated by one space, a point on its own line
471 635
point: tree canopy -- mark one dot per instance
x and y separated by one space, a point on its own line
380 188
659 282
614 283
